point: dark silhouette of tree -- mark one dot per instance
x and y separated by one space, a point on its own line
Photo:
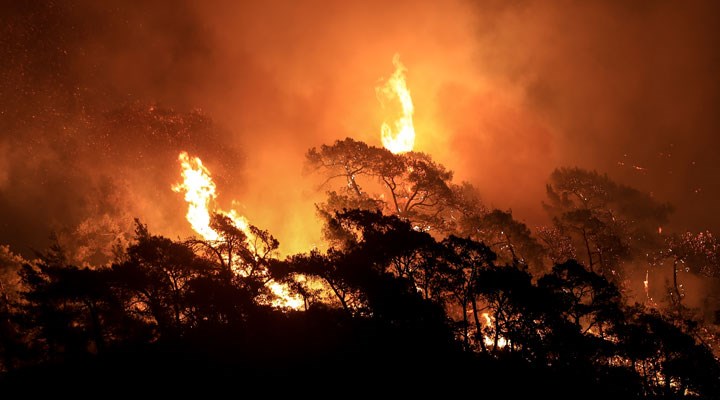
516 308
587 300
698 254
70 311
242 257
10 338
387 243
463 261
558 247
155 279
383 278
608 223
409 185
510 239
323 267
669 362
396 247
393 300
417 189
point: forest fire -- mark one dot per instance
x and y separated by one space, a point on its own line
489 340
399 135
503 207
200 194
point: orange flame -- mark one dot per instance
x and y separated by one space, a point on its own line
200 193
400 137
489 341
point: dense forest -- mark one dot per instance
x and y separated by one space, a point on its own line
420 284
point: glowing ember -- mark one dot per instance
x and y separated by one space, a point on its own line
398 137
200 192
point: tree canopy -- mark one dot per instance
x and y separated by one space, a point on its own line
421 284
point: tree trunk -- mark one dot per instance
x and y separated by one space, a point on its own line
97 329
478 325
512 249
337 294
351 181
466 341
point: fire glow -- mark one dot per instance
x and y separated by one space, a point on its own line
200 194
398 136
489 340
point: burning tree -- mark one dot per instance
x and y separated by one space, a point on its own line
463 261
608 223
511 240
697 254
411 185
239 247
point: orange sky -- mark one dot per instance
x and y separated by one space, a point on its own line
503 92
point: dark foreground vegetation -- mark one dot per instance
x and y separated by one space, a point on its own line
394 306
422 288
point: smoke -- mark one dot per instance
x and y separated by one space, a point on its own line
504 92
628 88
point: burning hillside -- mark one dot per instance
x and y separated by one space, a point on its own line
221 193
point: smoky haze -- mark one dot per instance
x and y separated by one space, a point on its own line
504 92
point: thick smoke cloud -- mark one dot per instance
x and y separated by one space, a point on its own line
620 85
504 93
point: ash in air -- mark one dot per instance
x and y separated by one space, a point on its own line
272 146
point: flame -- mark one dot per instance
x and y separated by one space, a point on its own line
239 221
646 285
200 194
489 341
400 137
488 320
